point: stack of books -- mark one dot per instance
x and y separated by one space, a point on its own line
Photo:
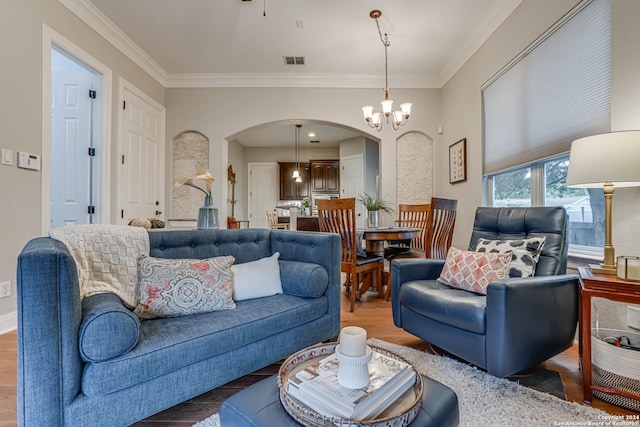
317 387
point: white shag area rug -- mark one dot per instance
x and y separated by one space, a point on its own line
485 400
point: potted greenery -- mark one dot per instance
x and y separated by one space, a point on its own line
374 206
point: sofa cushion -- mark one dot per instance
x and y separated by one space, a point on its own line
473 271
525 253
451 306
303 279
177 287
108 329
257 279
168 344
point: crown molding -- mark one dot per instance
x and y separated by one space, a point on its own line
188 80
495 18
95 19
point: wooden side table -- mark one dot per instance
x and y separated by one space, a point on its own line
602 286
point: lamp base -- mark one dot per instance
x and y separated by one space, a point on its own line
603 268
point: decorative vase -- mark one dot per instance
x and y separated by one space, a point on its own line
372 219
208 215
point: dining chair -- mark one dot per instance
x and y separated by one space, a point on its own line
339 216
437 238
410 216
272 220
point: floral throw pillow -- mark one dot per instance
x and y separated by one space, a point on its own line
177 287
525 253
473 271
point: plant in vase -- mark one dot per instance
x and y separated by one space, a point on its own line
207 215
374 206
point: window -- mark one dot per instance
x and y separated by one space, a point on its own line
543 184
556 90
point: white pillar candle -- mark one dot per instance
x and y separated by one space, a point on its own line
353 341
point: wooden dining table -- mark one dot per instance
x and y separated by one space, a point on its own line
375 237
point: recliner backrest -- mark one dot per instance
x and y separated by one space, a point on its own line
522 223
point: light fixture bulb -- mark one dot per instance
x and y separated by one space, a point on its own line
406 109
397 117
368 112
387 106
375 119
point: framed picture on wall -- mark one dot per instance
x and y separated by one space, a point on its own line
458 161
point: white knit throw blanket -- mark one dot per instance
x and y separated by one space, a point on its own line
106 257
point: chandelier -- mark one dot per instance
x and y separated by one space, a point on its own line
398 117
296 172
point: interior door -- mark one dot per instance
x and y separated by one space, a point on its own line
352 183
70 142
263 192
141 158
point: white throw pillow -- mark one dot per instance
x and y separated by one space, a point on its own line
256 279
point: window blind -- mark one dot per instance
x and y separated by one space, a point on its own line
557 90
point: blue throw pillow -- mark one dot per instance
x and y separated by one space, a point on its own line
303 279
108 328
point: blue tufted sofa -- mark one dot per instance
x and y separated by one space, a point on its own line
68 374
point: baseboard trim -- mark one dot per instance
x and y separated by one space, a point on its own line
8 322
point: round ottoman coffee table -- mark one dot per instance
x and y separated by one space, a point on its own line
259 406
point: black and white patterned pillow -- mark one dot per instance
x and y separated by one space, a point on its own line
525 253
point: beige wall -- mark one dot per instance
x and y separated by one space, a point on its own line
21 23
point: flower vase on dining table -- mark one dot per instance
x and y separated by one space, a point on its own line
208 215
372 219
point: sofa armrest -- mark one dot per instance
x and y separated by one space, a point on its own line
408 269
316 248
49 312
521 315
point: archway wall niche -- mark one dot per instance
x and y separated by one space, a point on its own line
414 168
190 151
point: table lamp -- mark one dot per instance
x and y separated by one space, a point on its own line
604 161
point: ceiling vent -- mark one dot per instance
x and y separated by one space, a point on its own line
293 60
314 142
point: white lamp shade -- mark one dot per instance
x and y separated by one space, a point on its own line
397 116
367 111
296 174
298 179
375 119
606 158
387 106
406 109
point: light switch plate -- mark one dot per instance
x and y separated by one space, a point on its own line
7 157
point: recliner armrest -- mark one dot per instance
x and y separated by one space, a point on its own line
520 315
407 269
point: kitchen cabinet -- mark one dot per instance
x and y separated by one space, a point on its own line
291 190
325 176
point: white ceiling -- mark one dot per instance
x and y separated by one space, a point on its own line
230 42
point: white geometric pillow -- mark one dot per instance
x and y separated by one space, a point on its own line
526 253
473 271
177 287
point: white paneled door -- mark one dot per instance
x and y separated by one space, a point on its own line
352 183
264 184
140 157
70 142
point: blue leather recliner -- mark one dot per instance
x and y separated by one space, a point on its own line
519 323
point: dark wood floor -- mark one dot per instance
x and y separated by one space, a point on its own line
373 314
